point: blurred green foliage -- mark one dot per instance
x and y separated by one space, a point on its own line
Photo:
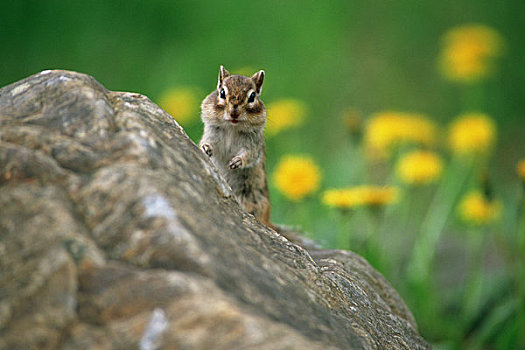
369 55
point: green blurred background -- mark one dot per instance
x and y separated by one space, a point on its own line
369 55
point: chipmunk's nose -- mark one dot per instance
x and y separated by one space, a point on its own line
234 112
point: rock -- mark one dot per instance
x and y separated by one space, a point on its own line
116 232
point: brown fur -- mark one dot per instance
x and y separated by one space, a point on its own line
234 139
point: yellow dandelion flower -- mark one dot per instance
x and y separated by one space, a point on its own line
182 103
385 130
472 133
378 196
284 114
521 169
360 196
419 167
297 176
474 208
341 198
468 52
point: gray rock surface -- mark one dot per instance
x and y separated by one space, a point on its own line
117 233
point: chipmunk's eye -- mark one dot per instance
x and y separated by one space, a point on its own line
222 93
251 98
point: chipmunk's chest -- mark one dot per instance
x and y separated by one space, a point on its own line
228 143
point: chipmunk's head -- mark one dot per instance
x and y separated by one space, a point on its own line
236 100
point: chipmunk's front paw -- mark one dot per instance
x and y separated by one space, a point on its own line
207 149
235 163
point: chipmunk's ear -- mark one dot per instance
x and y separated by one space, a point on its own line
223 74
258 79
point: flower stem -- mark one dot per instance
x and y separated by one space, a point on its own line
474 279
344 232
435 220
520 273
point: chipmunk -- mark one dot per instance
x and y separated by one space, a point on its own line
234 118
